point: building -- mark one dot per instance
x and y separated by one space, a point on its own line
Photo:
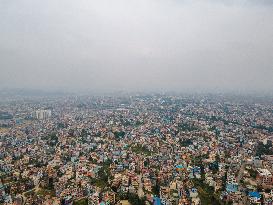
254 197
43 114
264 177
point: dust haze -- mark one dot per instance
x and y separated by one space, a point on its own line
136 45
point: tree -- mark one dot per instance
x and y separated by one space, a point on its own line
135 200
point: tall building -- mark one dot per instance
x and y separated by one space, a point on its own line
43 114
265 177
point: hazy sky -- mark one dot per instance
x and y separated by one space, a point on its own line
136 44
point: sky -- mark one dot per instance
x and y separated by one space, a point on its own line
137 45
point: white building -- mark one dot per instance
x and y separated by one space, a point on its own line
43 114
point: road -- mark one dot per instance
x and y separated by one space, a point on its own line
140 191
35 189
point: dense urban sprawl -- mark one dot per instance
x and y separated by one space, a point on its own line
139 149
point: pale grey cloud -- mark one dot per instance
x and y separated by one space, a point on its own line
137 44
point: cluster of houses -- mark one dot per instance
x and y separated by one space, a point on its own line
162 149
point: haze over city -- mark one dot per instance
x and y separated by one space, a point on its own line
137 45
136 102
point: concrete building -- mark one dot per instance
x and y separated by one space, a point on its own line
43 114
